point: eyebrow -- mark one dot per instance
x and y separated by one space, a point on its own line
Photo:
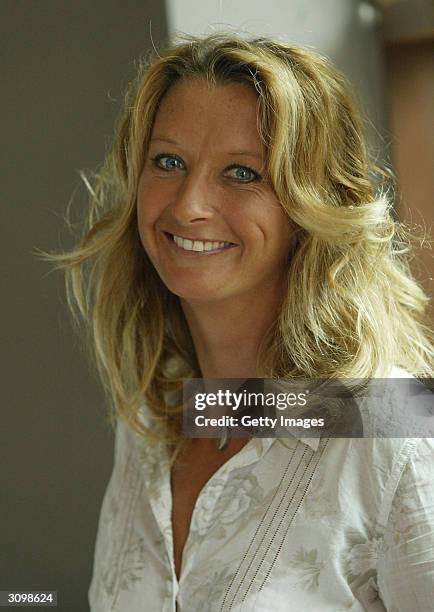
240 152
164 140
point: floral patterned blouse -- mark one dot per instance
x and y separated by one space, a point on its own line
303 525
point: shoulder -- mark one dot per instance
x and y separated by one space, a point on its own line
134 447
397 405
405 577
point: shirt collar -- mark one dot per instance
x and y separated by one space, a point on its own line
313 443
263 444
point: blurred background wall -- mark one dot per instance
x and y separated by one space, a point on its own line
64 67
408 37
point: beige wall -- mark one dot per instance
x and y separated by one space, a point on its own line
411 103
63 66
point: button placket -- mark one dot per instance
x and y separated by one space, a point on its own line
200 526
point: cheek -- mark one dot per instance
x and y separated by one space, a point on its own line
283 235
148 206
153 198
275 228
144 213
146 217
142 219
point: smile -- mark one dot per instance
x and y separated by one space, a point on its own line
199 246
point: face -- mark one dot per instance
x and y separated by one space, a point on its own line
208 218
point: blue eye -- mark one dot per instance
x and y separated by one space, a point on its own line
243 174
167 161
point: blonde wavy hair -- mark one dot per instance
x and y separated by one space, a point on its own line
352 308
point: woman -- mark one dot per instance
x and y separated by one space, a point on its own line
235 232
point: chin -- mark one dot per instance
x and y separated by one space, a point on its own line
197 295
197 292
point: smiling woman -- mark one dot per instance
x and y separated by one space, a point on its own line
212 228
238 230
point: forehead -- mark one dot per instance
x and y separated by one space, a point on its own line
194 110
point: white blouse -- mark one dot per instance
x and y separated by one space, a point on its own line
285 525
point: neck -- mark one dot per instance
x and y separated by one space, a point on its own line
227 335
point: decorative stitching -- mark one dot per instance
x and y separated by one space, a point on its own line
132 479
260 525
109 585
295 512
283 513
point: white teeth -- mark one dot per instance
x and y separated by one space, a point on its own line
198 245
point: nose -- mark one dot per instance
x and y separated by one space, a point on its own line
194 199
